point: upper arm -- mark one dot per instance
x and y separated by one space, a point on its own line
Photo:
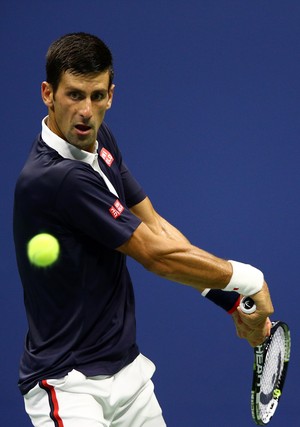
141 246
146 213
151 250
153 238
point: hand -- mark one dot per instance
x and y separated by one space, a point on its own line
264 306
255 327
255 336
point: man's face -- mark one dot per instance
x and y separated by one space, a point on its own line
77 109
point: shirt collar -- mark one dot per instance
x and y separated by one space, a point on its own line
66 150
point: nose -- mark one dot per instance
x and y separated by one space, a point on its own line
85 110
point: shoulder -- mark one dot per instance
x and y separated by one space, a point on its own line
106 139
106 133
108 142
45 170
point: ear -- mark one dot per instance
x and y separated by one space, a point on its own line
110 96
47 94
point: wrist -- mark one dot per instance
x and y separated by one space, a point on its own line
235 306
246 279
229 301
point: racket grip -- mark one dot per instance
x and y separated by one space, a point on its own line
247 305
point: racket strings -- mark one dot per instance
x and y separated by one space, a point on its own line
271 374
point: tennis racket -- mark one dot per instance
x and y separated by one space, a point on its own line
271 361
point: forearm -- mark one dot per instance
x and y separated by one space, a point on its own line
178 261
169 231
191 266
160 226
164 250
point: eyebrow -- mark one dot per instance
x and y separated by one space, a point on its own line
76 89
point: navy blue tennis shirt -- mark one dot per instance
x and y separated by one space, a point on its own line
80 311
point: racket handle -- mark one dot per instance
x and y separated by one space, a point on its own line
247 305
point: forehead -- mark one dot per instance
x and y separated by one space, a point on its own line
85 81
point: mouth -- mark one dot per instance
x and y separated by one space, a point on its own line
82 129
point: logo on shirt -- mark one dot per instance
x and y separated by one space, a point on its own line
106 156
116 209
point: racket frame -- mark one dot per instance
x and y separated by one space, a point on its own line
260 355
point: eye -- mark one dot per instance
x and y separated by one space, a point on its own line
75 96
98 96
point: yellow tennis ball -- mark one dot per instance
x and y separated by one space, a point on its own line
43 250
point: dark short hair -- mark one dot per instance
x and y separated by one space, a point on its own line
79 54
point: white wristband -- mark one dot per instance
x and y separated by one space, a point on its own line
245 279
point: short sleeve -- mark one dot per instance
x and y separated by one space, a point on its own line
85 203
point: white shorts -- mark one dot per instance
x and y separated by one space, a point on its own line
126 399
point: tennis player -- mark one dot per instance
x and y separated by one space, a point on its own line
81 365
